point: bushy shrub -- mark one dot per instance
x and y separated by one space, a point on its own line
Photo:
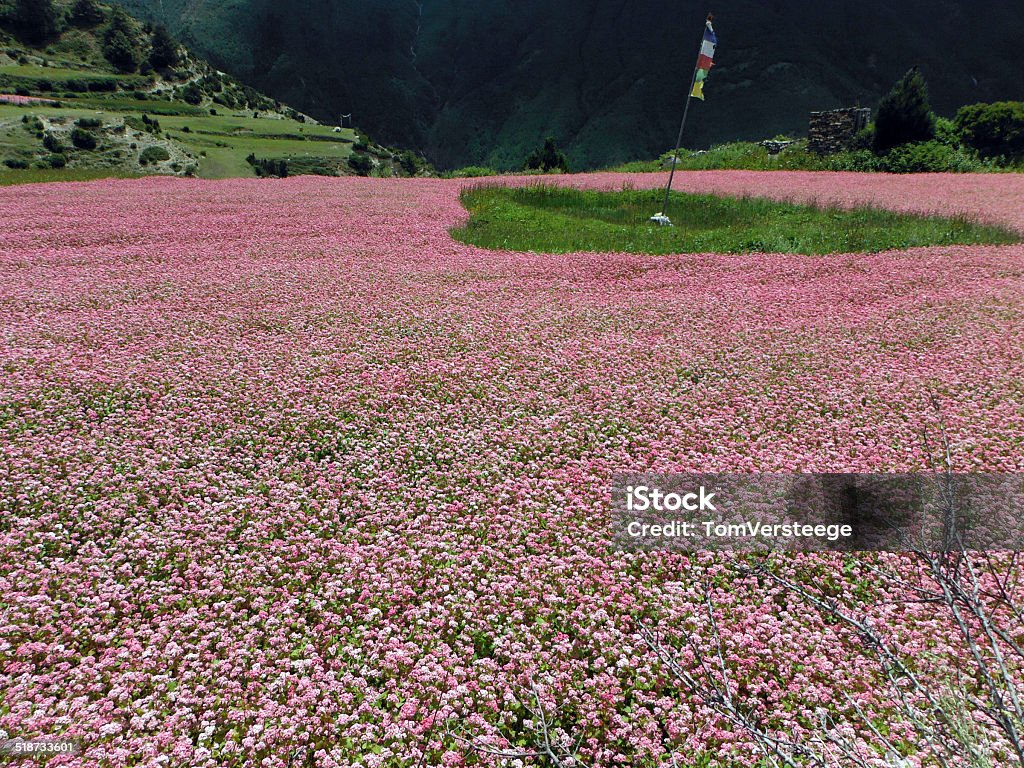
946 132
16 163
121 51
313 166
268 166
795 157
547 158
83 139
995 130
858 160
192 94
746 155
52 143
212 83
88 122
864 138
470 172
56 160
33 124
360 163
87 12
928 157
102 85
410 163
904 115
153 155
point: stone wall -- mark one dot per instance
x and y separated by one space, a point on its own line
833 131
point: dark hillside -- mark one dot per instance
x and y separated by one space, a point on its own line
483 81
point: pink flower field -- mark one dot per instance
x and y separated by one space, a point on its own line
288 477
11 98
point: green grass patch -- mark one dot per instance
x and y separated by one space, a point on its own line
550 219
57 73
121 103
227 139
42 175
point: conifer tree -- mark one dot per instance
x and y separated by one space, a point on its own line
550 158
164 52
121 42
904 115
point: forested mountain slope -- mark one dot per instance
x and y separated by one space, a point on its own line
483 81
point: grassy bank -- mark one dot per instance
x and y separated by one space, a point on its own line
43 175
929 157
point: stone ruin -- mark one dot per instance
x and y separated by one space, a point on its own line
833 131
775 146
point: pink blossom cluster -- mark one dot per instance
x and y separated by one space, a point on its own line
290 477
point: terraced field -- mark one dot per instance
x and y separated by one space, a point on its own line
217 145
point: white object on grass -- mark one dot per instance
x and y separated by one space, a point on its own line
661 220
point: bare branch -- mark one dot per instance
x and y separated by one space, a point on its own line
543 746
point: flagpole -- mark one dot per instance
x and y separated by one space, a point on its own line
682 126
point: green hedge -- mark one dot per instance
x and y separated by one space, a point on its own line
83 139
83 84
929 157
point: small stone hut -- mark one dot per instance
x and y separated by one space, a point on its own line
833 131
